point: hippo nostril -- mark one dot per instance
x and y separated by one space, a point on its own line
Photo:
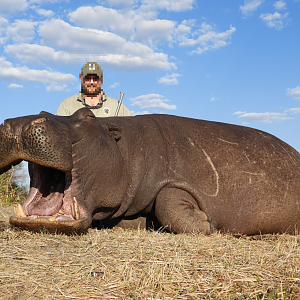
6 124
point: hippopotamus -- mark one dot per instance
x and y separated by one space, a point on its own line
188 175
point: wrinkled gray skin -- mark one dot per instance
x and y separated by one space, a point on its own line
175 170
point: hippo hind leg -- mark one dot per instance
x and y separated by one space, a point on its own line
178 211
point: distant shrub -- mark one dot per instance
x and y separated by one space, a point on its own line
10 188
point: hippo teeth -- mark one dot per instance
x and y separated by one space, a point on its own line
52 219
75 210
18 210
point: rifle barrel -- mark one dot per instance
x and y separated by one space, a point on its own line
119 104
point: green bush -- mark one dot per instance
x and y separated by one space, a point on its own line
10 190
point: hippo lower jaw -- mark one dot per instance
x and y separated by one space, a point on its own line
41 223
57 223
50 204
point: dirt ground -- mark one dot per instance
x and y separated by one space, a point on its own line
139 264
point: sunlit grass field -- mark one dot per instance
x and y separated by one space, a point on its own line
140 264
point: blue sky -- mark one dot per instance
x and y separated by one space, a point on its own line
229 61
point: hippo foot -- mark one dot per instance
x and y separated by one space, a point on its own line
178 211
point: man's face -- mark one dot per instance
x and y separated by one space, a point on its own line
90 84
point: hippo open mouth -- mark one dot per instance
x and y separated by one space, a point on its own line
50 203
64 182
55 201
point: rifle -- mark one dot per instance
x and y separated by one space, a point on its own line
119 104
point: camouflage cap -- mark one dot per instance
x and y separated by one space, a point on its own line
91 68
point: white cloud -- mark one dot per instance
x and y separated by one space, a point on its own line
132 24
207 37
185 28
294 93
169 79
295 110
136 113
250 6
152 61
214 99
15 86
7 71
13 5
37 54
99 17
239 112
114 85
56 87
275 20
142 25
170 5
150 5
118 51
152 101
154 30
280 5
126 3
32 53
45 1
3 24
267 117
44 12
21 31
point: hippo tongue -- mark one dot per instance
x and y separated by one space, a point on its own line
60 216
44 206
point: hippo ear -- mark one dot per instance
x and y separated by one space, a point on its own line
113 131
45 113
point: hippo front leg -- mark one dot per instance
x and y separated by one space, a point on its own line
179 212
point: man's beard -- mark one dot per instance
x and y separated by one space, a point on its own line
85 91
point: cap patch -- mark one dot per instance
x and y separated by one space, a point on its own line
92 67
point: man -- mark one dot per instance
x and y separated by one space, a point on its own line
91 95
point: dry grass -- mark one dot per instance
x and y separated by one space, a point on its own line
129 264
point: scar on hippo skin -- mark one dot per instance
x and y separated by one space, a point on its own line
185 175
40 120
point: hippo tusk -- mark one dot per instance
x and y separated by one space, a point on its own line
75 210
19 211
52 219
